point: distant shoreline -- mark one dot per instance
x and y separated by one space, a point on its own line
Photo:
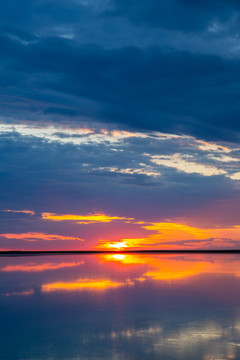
127 252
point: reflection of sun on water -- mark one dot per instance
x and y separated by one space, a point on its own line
122 258
131 270
119 257
174 267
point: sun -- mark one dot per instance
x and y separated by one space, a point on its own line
119 245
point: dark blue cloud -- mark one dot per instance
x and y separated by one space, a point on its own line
153 88
49 76
35 14
184 15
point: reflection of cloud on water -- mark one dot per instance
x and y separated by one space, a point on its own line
209 339
144 332
34 267
126 305
175 267
19 293
83 284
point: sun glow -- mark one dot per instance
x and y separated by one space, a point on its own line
175 236
119 245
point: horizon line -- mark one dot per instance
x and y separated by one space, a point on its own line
82 252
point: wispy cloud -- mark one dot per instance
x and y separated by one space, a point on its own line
211 146
145 170
35 236
185 164
70 135
235 176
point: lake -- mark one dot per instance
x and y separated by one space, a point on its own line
120 307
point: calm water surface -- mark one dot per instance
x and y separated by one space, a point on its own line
121 307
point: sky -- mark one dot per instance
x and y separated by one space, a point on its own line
119 125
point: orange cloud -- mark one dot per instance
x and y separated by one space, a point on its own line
29 212
175 231
81 284
170 235
33 267
84 219
38 236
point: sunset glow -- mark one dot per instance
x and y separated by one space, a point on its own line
175 236
120 179
132 140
